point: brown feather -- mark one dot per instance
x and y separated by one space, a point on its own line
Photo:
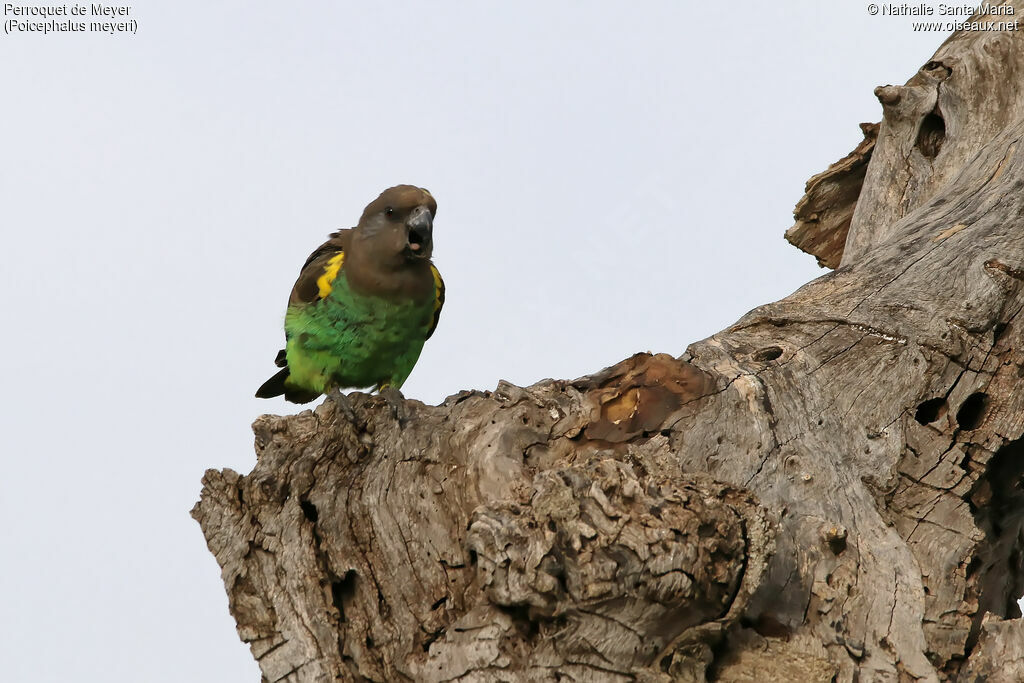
306 290
376 262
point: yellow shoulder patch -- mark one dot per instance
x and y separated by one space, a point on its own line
326 281
438 298
438 289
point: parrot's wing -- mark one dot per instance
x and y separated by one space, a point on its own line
315 281
438 298
320 270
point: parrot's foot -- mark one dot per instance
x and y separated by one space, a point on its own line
343 404
396 402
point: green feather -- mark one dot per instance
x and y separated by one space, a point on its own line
353 340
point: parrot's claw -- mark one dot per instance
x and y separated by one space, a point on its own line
396 402
343 404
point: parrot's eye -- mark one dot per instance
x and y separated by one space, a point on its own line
389 211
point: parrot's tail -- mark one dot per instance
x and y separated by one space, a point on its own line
273 386
276 385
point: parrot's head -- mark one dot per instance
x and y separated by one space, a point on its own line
397 227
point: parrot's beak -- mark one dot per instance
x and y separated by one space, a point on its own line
420 225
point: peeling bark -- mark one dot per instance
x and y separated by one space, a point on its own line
824 213
830 489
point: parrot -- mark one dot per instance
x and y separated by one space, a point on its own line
364 303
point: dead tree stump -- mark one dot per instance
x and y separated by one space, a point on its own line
830 489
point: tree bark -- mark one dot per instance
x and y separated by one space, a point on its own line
830 489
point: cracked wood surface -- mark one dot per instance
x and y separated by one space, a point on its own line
828 490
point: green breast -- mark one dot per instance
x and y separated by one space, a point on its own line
353 340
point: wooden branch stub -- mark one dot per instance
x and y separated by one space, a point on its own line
824 213
953 107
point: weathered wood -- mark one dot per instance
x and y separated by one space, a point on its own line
826 490
958 103
824 213
999 656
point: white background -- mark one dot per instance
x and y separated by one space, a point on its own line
611 178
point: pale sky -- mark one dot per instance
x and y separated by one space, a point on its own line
611 178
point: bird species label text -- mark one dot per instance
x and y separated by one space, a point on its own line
73 18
